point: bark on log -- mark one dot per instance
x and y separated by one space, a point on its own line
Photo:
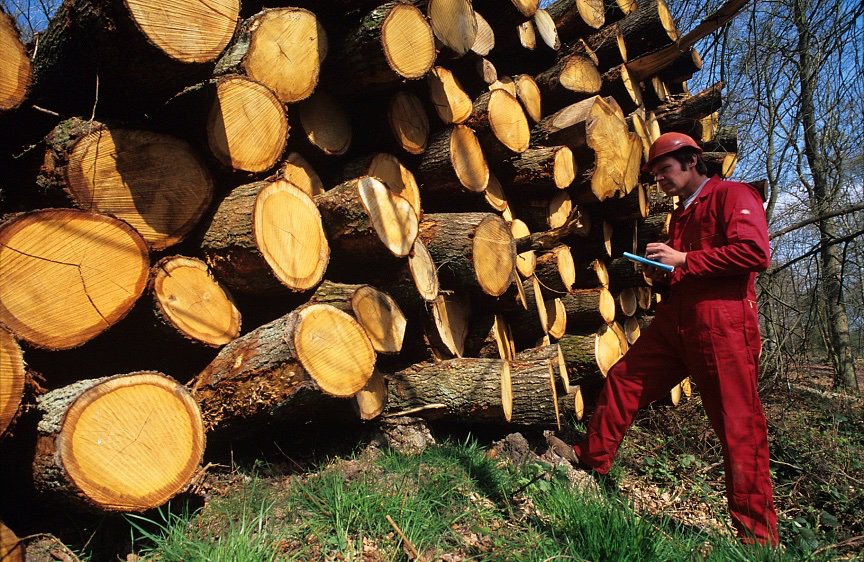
590 357
365 221
588 308
632 206
266 236
126 44
591 274
123 443
555 356
450 101
326 123
572 405
98 264
570 80
538 170
281 48
392 42
15 68
682 68
543 213
475 251
453 163
577 18
154 182
13 376
529 325
682 115
489 336
720 163
648 28
608 46
555 271
376 311
624 273
655 228
190 302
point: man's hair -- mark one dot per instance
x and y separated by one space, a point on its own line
683 157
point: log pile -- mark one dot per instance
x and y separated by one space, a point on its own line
217 217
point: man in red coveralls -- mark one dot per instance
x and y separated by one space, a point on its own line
706 327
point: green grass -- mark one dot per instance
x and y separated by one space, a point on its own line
452 499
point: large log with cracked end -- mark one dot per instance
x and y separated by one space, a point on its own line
365 220
475 390
98 264
154 182
376 311
474 251
282 48
12 379
452 163
126 44
247 127
265 237
15 68
190 302
391 43
124 443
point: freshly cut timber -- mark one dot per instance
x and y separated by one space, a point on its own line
545 26
601 127
529 96
448 323
632 206
682 68
391 43
325 123
489 336
68 275
500 14
474 390
525 261
247 127
539 169
495 196
577 18
473 250
591 273
124 443
571 79
682 114
590 357
588 308
375 310
555 271
572 404
484 42
720 163
627 302
655 228
596 242
530 324
12 379
266 236
15 69
498 112
127 44
454 24
408 122
192 302
453 162
450 101
632 330
389 170
578 223
154 182
363 219
372 398
333 348
648 28
297 171
282 48
559 367
12 549
618 83
557 315
543 213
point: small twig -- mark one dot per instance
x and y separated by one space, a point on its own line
848 542
405 540
95 100
415 410
534 479
43 110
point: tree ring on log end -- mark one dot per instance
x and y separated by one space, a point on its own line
247 127
68 275
392 216
564 167
468 160
607 349
205 31
334 349
12 376
423 271
407 41
381 317
508 121
16 70
453 23
494 254
286 51
154 182
133 442
290 235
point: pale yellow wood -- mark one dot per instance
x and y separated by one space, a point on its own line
12 549
297 171
247 127
15 68
675 394
632 330
68 275
392 216
372 398
494 194
468 160
627 301
154 182
527 35
559 209
287 47
408 41
607 349
557 317
528 94
381 317
192 300
580 75
453 23
505 83
408 122
326 124
398 179
424 272
525 261
132 442
564 168
686 387
187 31
506 391
450 101
334 349
450 316
12 379
484 41
290 236
525 7
579 403
545 26
494 255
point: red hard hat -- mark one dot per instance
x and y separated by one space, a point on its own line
668 143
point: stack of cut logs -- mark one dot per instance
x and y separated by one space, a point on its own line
218 218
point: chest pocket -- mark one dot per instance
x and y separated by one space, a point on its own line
704 241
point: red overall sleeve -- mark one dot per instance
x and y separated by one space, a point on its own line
746 228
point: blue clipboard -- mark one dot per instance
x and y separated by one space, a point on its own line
652 263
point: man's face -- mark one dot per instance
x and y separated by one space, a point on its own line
673 177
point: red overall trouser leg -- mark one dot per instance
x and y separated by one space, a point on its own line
723 362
